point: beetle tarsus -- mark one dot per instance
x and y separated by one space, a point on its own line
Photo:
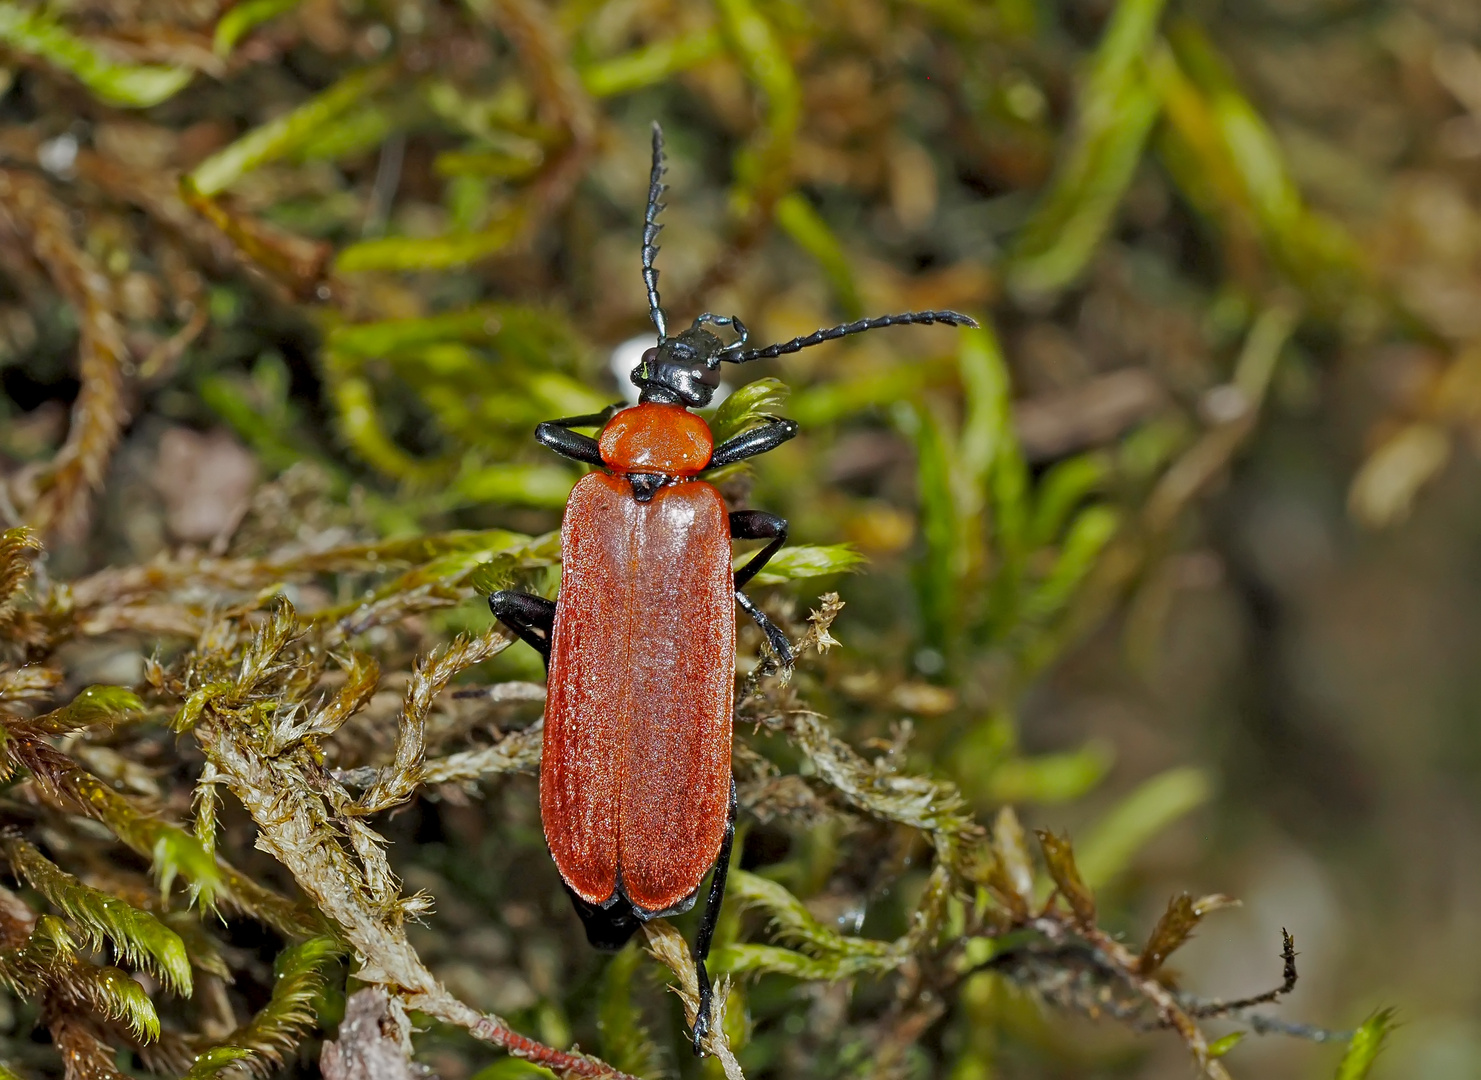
706 1003
531 617
774 636
732 321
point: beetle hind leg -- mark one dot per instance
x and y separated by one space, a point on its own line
532 618
707 930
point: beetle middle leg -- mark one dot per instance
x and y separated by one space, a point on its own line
707 928
759 525
530 617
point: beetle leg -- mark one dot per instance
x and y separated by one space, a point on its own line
779 643
707 929
758 440
759 525
558 436
531 617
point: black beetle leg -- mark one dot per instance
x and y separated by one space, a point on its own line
759 525
557 435
757 440
779 643
531 617
707 929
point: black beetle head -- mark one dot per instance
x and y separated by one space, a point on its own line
683 370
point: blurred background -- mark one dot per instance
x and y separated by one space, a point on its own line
1180 555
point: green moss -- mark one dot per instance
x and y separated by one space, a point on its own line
402 239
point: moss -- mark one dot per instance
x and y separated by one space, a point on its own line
330 739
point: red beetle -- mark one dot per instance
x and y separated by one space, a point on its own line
635 788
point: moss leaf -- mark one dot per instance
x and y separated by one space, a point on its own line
264 1042
286 134
137 937
1175 926
805 561
752 404
1367 1042
92 705
1059 855
1011 876
245 17
138 86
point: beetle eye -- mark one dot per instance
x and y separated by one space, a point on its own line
707 375
649 357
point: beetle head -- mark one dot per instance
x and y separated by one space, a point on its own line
685 370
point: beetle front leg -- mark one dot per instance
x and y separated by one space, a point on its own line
557 435
758 440
759 525
530 617
707 929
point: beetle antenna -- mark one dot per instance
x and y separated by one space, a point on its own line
817 337
651 229
732 321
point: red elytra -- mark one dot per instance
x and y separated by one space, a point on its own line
635 773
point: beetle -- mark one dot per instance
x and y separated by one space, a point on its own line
636 794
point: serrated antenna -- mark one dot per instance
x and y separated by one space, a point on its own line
817 337
651 229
